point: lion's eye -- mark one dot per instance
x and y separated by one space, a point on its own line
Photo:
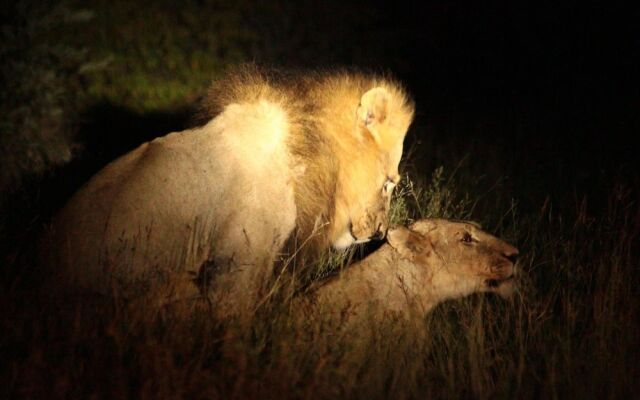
388 186
466 238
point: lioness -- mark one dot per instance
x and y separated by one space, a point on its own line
421 266
308 159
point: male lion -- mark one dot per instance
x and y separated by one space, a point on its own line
421 266
308 159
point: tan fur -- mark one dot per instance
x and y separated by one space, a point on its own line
303 158
420 267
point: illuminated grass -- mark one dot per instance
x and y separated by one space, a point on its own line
570 331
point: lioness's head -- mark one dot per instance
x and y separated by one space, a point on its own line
461 258
369 158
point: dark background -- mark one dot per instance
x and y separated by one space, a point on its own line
551 86
538 99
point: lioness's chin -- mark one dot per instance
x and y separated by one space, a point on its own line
503 288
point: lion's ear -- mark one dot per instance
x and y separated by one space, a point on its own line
372 112
406 242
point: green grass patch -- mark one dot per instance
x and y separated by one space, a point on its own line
157 55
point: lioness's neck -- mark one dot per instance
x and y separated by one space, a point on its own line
385 278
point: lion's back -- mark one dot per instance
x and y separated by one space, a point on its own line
179 199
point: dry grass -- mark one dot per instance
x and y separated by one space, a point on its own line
571 331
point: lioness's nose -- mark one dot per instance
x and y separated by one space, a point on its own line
511 254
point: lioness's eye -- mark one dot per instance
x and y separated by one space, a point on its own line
466 238
388 186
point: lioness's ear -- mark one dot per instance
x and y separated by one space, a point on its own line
425 225
406 242
372 111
